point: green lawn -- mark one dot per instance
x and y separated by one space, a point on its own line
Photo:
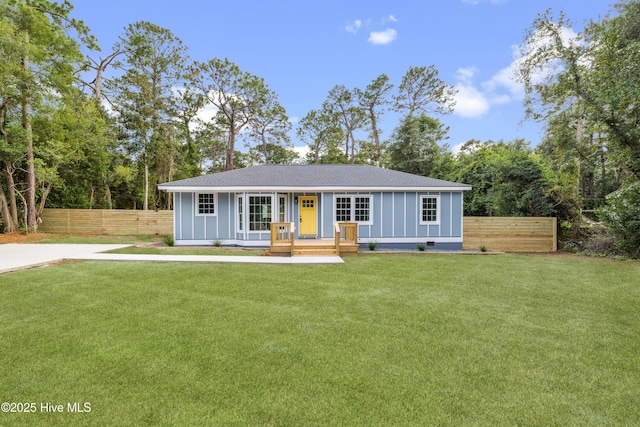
400 339
208 250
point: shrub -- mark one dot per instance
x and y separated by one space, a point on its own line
620 214
372 245
217 243
421 247
168 239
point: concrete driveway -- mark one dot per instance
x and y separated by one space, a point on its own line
18 256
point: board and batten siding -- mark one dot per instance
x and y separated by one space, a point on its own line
396 215
189 226
395 218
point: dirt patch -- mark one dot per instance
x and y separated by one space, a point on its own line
19 237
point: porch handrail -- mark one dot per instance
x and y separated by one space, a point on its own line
282 232
336 233
349 231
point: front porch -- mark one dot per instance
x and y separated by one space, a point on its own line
283 241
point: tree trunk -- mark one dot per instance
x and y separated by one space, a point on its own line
579 136
376 136
30 172
231 142
8 224
13 205
264 149
145 204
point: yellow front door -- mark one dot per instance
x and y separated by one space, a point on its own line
308 215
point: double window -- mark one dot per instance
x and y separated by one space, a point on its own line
353 209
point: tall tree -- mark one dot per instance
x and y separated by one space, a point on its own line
269 126
414 147
323 135
341 105
153 65
237 95
42 56
374 101
594 72
421 90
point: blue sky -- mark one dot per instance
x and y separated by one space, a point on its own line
304 48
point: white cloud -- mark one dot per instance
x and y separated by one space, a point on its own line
390 18
354 26
470 102
383 37
302 151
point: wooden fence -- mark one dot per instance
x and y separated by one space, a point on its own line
513 234
106 222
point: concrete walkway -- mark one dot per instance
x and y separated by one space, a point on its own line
15 256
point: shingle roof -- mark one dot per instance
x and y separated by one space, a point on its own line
317 177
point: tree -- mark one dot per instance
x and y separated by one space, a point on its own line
374 101
340 106
421 90
414 147
594 74
237 95
275 154
270 126
319 130
153 64
506 180
73 153
621 216
39 59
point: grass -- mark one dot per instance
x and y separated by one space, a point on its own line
84 239
189 251
148 250
406 339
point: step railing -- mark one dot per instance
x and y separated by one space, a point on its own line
348 232
282 233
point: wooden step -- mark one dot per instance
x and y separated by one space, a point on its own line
314 250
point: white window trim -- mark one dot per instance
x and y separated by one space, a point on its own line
247 223
353 206
285 197
215 205
438 209
240 222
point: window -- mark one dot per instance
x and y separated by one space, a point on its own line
282 208
206 204
240 215
343 209
259 213
353 208
429 210
362 211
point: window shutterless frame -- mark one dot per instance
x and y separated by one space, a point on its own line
429 210
353 208
206 204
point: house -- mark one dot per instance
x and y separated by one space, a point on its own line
393 209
